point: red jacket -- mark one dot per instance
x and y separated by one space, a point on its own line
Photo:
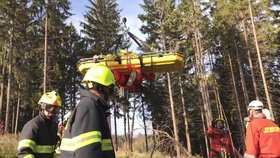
263 138
60 131
218 139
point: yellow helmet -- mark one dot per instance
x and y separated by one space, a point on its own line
101 74
219 119
51 98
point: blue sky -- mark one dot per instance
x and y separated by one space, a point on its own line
130 10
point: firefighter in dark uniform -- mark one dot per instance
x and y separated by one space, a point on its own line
87 133
39 136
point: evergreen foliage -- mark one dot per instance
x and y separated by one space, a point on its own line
226 43
101 26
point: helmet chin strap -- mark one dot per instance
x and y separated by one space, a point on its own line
43 106
47 116
89 85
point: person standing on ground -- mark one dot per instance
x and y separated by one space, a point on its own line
60 131
220 142
87 133
254 104
39 136
61 127
262 135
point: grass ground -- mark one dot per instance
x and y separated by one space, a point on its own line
122 154
8 146
9 142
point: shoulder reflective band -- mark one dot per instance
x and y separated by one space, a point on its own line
107 145
29 156
26 143
66 126
271 129
80 141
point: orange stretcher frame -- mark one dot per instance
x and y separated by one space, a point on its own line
126 61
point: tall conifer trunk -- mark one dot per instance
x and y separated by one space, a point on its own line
46 49
243 84
8 101
249 56
115 122
17 112
202 81
241 124
187 132
260 63
2 85
174 121
175 126
132 123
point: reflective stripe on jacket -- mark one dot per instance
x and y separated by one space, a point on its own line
263 138
38 138
87 133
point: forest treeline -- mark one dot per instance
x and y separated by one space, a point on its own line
231 51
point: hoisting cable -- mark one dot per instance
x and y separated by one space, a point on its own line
226 121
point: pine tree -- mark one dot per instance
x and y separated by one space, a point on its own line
101 26
76 48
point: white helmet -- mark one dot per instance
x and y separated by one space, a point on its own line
266 112
66 116
255 105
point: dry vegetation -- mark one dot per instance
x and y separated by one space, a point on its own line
9 142
139 149
123 154
8 146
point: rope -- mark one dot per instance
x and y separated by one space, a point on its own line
226 121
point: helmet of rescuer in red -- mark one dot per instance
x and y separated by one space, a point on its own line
50 98
219 119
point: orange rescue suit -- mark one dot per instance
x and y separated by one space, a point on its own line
263 138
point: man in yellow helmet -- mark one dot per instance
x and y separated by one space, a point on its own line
87 133
39 136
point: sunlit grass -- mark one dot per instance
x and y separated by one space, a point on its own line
8 146
123 154
9 142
